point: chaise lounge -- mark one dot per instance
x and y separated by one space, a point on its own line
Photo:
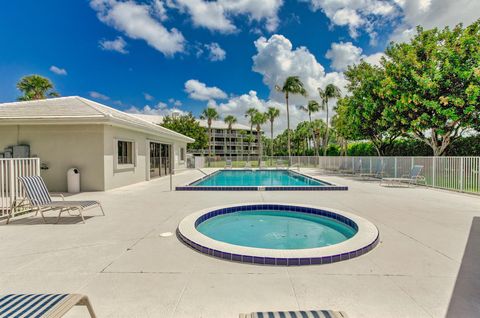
297 314
39 199
412 178
42 305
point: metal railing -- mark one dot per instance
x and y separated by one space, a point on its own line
451 173
10 188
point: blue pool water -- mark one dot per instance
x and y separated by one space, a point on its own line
236 178
276 229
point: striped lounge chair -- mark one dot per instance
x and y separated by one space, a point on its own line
296 314
40 199
41 305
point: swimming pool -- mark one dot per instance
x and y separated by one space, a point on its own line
257 179
278 234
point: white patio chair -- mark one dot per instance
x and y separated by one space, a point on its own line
40 199
412 178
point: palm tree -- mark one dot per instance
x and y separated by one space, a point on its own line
258 120
230 120
312 107
249 114
292 85
35 87
210 114
330 91
271 114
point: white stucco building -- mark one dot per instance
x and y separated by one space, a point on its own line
109 147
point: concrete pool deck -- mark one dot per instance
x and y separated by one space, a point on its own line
128 270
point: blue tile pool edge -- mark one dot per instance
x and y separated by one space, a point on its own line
271 260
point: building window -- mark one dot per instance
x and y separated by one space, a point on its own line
182 154
125 152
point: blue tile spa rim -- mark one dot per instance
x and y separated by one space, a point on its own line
325 187
366 238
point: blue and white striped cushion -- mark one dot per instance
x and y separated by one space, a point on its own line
29 305
299 314
36 190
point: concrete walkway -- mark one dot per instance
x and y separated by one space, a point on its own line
128 270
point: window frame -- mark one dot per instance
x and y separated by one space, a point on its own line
124 166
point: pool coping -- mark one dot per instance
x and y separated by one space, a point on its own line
366 238
328 187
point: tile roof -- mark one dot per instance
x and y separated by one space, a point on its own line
75 109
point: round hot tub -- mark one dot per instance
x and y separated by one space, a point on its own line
278 234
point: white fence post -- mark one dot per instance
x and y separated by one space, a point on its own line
462 168
395 167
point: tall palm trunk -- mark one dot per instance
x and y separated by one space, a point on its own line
230 142
271 144
325 143
259 145
313 135
209 143
288 130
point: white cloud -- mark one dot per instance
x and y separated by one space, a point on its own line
57 70
139 21
434 13
148 97
372 15
217 15
159 10
276 60
118 45
175 102
216 53
343 54
98 95
199 91
356 14
160 109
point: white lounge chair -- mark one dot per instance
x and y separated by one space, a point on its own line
42 305
228 164
40 199
412 178
297 314
377 173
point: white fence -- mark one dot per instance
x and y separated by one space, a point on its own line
10 187
452 173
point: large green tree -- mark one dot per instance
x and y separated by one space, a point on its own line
312 107
188 126
330 92
433 84
35 87
209 114
292 86
364 108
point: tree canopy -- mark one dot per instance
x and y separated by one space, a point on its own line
35 87
432 84
188 126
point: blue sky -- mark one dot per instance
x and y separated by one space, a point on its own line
150 55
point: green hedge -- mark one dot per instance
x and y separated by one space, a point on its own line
465 146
